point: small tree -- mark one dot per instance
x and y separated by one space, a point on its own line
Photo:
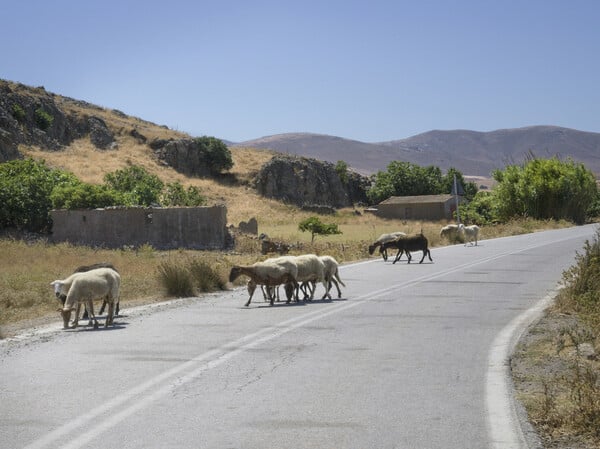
215 154
316 227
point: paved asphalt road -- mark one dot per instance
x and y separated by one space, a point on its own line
412 356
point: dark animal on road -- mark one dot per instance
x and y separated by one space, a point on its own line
408 244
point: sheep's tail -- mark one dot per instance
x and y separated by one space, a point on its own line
337 276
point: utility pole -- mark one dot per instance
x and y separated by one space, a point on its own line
455 191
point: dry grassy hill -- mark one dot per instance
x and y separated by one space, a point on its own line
90 164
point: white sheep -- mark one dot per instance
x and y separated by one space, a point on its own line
470 233
265 273
100 283
332 274
311 269
450 232
384 238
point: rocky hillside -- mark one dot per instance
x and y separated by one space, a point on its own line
473 153
34 118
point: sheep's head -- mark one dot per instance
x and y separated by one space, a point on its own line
59 290
372 249
234 273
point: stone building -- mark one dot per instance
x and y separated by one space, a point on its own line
422 207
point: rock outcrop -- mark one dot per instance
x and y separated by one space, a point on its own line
309 183
183 155
31 116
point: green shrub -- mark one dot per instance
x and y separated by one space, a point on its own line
481 210
18 113
43 119
84 196
137 186
174 194
26 187
545 189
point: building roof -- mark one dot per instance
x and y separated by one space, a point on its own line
420 199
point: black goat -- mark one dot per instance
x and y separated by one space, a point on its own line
407 244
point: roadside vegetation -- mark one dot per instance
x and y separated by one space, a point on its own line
557 366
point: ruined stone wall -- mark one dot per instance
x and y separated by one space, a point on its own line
162 228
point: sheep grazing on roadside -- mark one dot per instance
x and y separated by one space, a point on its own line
383 238
470 233
99 283
269 274
332 274
450 232
408 244
83 269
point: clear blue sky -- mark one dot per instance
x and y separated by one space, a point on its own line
370 70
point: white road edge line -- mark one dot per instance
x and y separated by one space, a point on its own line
504 426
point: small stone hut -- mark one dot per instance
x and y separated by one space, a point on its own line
422 207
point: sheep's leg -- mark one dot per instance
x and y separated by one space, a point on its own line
312 288
383 252
249 299
327 285
304 286
264 292
398 255
111 311
337 286
103 306
409 256
89 304
424 254
76 317
289 291
296 292
271 295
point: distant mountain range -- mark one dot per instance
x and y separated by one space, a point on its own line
473 153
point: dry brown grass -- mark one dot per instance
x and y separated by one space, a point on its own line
26 269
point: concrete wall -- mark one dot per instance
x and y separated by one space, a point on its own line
162 228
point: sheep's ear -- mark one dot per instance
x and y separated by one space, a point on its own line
60 309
